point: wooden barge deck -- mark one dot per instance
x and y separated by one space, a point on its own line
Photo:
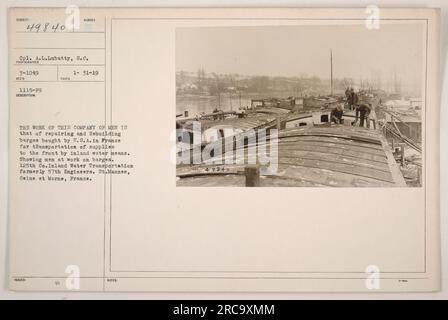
312 156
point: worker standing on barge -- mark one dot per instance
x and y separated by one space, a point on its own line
348 96
355 100
363 112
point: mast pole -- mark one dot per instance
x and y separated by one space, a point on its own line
331 71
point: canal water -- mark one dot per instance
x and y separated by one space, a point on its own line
196 104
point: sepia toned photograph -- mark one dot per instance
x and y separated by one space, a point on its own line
338 105
199 151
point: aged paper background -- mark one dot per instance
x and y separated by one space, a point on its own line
290 231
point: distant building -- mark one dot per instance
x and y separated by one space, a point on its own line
408 117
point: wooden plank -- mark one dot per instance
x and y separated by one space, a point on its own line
325 156
397 176
272 110
374 155
328 131
207 181
322 177
340 167
336 142
329 134
343 131
295 116
251 121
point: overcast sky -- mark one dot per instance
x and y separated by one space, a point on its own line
296 50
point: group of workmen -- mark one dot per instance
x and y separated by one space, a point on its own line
352 101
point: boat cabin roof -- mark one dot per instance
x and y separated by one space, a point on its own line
334 156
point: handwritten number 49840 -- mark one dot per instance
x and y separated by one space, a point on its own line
45 27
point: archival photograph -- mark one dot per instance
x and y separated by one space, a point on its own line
337 105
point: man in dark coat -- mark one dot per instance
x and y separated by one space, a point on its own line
349 96
355 100
336 114
363 112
